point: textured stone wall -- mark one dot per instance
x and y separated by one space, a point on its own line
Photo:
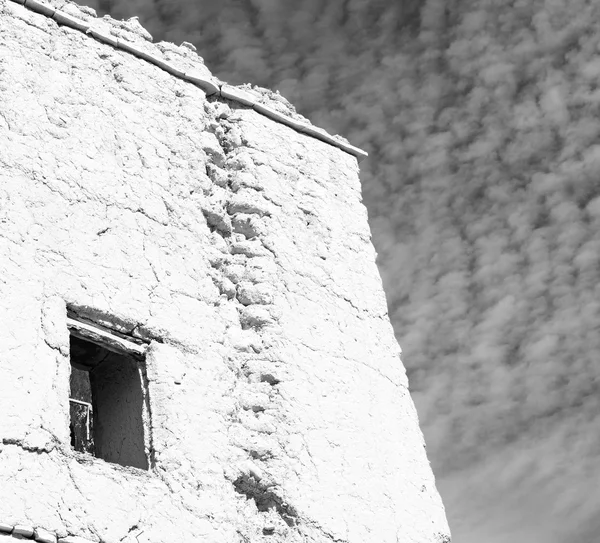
238 248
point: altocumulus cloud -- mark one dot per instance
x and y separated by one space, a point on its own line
483 189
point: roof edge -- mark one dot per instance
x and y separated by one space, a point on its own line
21 531
209 85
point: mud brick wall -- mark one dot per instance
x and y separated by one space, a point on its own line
237 247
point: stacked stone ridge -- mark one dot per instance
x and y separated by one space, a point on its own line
214 243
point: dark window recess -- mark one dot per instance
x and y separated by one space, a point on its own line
108 400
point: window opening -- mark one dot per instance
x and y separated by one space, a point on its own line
108 400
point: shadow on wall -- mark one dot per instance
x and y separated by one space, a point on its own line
107 404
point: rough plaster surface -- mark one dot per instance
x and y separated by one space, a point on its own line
240 249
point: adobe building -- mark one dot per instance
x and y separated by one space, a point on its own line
194 337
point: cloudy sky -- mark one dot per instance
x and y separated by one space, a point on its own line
482 121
